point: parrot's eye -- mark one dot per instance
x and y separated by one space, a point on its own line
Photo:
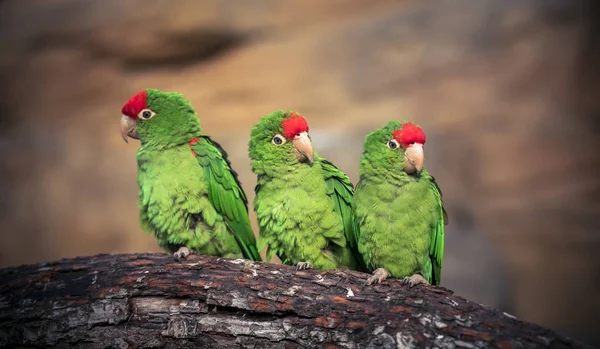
393 144
146 114
278 139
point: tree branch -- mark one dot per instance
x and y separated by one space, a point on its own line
151 301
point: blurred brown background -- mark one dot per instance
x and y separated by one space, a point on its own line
506 90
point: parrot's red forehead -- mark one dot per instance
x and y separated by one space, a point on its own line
135 105
294 125
409 134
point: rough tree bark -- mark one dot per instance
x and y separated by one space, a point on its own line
151 301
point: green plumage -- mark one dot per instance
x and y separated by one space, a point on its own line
188 193
400 216
304 211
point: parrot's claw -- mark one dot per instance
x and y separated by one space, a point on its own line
379 276
414 280
303 265
181 254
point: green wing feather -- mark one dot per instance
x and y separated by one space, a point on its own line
340 191
436 249
226 194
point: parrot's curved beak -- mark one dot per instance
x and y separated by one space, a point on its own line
303 148
128 128
414 158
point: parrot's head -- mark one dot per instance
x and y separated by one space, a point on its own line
157 117
397 147
281 138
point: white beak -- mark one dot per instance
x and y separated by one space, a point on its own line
414 158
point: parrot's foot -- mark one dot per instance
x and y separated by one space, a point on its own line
414 280
379 276
182 253
303 265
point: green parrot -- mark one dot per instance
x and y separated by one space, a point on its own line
303 202
398 208
189 196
